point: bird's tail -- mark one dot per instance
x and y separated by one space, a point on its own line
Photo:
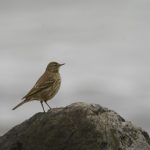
19 104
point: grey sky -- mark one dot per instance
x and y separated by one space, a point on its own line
104 43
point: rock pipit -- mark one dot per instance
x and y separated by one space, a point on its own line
46 87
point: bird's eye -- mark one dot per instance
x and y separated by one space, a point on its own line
54 64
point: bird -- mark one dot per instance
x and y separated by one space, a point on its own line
46 86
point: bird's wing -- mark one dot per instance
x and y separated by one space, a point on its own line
43 83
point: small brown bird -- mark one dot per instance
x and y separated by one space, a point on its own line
46 87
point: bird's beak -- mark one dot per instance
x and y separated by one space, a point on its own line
62 64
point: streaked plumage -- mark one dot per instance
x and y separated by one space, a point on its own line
46 87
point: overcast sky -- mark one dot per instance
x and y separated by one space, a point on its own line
104 43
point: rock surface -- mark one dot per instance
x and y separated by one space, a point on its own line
79 126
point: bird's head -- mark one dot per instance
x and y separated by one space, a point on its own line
53 67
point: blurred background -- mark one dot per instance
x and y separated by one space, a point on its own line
104 43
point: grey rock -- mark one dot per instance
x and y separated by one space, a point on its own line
79 126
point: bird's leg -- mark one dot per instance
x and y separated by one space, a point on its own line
47 104
42 105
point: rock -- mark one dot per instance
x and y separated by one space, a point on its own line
79 126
